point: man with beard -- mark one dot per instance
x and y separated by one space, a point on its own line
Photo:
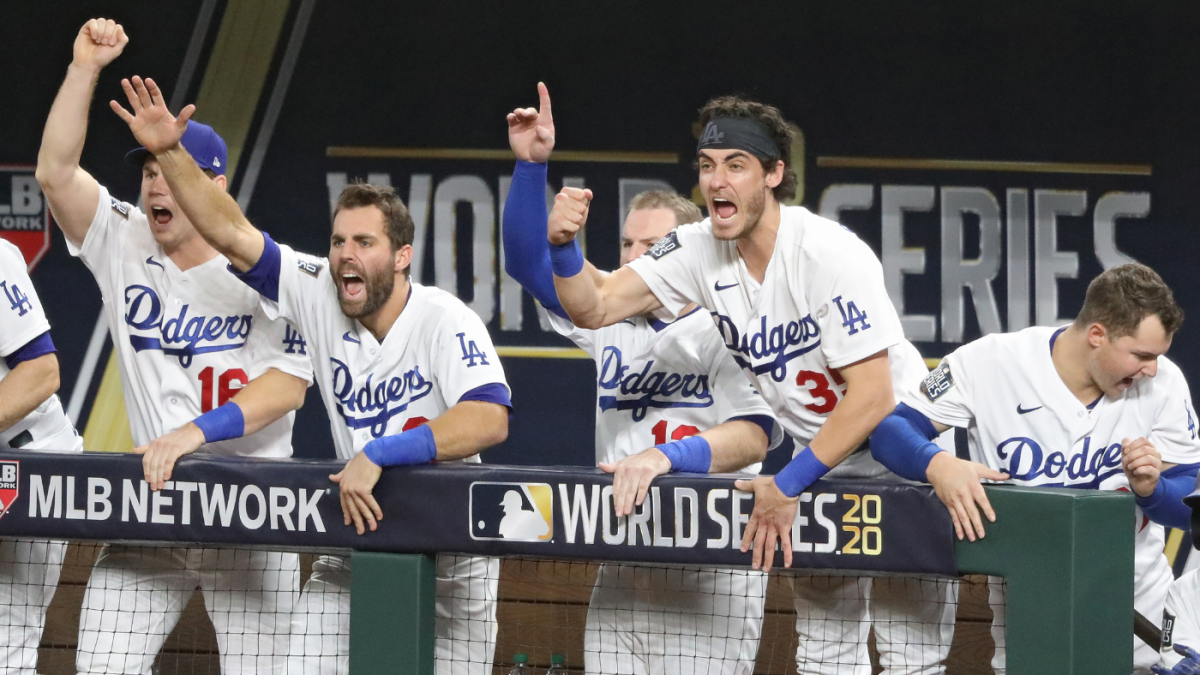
202 367
703 416
370 329
801 304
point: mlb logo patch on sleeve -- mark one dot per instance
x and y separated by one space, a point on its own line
937 382
310 265
120 207
664 246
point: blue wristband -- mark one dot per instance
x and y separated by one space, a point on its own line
222 423
566 259
691 454
802 471
414 446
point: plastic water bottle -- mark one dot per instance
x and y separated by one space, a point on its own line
557 665
520 661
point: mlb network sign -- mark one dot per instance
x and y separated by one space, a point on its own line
25 218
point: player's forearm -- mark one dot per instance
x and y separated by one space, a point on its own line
468 428
735 445
526 251
851 422
595 301
66 128
903 442
26 387
268 397
213 213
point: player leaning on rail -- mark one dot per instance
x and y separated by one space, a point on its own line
801 305
367 324
1091 405
695 619
185 334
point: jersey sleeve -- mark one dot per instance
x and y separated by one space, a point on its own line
583 338
945 395
463 356
21 315
671 268
852 307
276 344
734 393
1174 432
289 282
104 233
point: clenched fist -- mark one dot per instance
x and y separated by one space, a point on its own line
569 214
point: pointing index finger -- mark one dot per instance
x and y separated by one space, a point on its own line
544 103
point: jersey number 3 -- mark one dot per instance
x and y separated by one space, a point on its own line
228 385
818 387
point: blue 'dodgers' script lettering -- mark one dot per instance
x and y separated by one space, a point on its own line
648 388
373 404
182 336
772 344
1027 461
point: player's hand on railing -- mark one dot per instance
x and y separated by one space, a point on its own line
356 482
632 476
151 123
531 132
159 457
569 214
771 521
98 43
1190 665
956 482
1142 464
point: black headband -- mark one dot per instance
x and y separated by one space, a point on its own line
725 133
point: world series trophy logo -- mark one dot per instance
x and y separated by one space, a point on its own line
10 484
512 511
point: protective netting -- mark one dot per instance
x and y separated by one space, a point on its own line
192 610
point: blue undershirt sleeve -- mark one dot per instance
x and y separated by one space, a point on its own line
35 348
264 276
523 231
903 442
1165 506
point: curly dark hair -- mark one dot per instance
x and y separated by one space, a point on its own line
768 117
1120 298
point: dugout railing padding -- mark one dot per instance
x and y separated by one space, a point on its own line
1066 555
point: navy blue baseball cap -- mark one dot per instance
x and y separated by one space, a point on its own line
202 143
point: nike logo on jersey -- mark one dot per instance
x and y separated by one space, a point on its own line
769 342
350 338
183 336
1026 411
373 405
152 261
646 389
718 287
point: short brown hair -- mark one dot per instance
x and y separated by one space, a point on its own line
771 120
398 222
685 211
1122 297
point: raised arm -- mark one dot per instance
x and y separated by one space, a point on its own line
71 191
212 211
261 402
591 300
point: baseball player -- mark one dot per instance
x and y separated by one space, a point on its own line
668 385
1092 405
801 306
1181 626
408 375
31 418
201 367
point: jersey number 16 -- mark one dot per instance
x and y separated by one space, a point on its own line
228 385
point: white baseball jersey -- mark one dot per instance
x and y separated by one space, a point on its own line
822 305
186 341
658 382
1181 617
436 351
1022 419
21 320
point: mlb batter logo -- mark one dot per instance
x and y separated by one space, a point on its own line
512 511
10 484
